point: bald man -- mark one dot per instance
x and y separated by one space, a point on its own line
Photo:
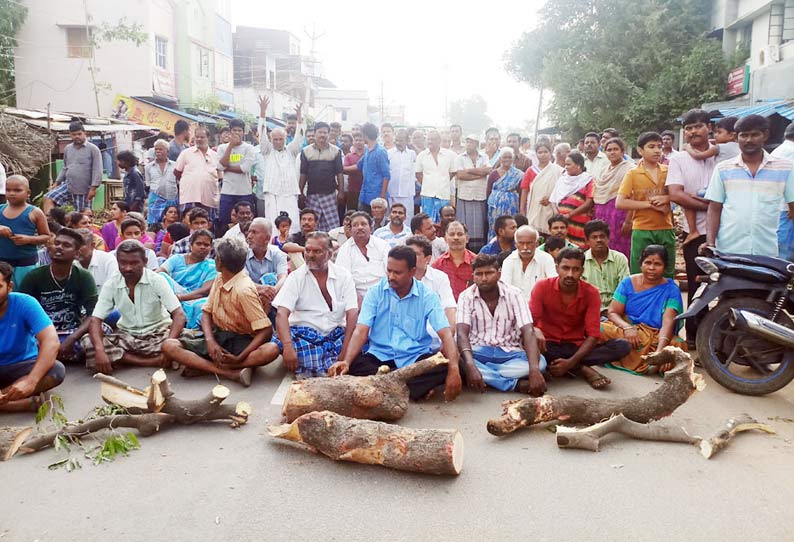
277 189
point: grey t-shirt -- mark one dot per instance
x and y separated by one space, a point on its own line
175 149
82 167
243 156
727 151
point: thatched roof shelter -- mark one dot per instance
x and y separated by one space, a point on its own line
24 149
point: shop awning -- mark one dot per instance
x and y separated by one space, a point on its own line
767 108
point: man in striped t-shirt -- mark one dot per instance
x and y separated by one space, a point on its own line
746 194
495 336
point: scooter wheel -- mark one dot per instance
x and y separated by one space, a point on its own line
728 355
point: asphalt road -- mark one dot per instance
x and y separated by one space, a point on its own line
215 483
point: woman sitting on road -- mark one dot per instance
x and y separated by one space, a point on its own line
170 216
643 312
190 276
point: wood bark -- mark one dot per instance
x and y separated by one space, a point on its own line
383 396
431 451
11 438
166 410
679 384
590 438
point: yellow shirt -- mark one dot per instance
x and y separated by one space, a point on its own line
638 185
235 305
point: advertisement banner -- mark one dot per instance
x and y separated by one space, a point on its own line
127 108
739 81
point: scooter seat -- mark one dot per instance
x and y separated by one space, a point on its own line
784 267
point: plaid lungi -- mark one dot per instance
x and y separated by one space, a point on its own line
475 215
116 344
325 206
157 205
316 352
61 196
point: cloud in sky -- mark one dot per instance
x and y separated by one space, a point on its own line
421 51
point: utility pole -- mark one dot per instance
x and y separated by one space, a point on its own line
537 117
91 58
382 109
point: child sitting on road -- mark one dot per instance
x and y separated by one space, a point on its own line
131 229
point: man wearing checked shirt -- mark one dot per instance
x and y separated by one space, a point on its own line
394 317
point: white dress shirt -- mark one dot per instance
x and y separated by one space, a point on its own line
436 172
102 266
541 267
368 271
301 294
403 175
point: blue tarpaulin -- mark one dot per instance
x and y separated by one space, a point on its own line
767 108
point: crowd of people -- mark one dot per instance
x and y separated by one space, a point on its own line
343 252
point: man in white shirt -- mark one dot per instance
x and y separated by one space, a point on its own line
277 184
402 186
595 162
363 255
436 280
317 312
396 231
526 264
102 265
243 213
435 168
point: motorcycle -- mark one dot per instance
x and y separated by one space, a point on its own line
745 341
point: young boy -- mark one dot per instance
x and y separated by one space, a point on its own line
22 228
234 323
643 191
131 229
725 148
558 227
134 188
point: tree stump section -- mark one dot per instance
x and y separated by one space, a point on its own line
158 408
383 396
679 384
430 451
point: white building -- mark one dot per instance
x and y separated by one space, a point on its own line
765 30
348 107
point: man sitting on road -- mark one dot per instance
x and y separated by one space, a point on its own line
363 255
234 324
434 279
394 318
456 262
65 292
421 224
505 228
150 314
396 230
526 264
567 315
495 336
28 348
604 268
264 261
317 310
100 264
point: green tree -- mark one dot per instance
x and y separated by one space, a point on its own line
471 113
12 15
634 66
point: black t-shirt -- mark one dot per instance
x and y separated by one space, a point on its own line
298 238
321 168
66 304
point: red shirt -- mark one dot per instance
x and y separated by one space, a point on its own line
561 324
356 179
460 277
529 176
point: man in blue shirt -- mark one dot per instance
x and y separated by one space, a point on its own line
28 348
505 227
375 167
394 317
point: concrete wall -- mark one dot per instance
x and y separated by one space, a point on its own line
245 98
45 73
329 105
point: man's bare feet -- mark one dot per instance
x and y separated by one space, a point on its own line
245 376
593 377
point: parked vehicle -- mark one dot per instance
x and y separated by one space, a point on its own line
745 340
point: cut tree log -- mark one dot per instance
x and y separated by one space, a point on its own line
383 396
590 438
430 451
166 409
679 384
11 438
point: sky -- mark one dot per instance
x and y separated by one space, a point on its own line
421 51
